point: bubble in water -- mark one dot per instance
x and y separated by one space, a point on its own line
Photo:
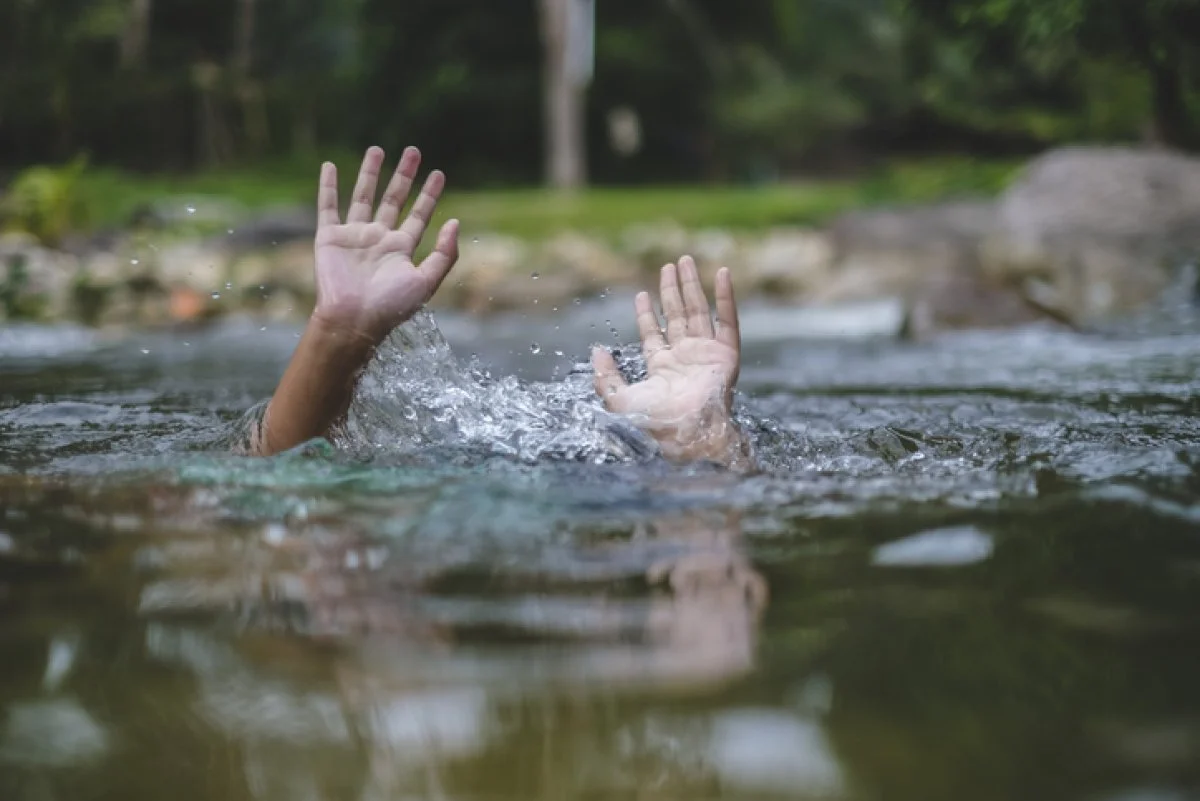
191 209
554 309
535 276
229 231
216 296
578 301
475 240
535 348
229 285
264 328
558 353
145 351
134 262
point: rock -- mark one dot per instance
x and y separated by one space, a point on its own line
1091 232
187 212
713 246
786 262
650 246
961 300
593 264
187 264
273 227
894 252
487 268
35 282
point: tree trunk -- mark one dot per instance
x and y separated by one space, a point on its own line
563 101
1172 124
136 35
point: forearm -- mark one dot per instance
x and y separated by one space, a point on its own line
316 389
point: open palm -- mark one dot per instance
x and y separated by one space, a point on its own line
366 279
691 371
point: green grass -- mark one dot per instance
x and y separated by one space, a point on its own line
110 197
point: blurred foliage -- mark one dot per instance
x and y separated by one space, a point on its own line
754 90
1145 56
45 201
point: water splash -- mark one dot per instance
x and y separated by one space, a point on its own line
417 394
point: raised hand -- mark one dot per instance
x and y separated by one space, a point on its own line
686 400
367 283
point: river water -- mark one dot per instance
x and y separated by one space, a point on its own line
970 568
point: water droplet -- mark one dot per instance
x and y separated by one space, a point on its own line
554 308
264 328
229 231
535 276
145 351
535 348
558 353
134 261
475 240
535 300
216 296
229 285
578 301
187 344
191 209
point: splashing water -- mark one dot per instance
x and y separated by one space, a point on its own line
416 394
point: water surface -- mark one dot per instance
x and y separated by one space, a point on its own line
969 569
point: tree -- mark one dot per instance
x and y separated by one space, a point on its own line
1156 37
566 33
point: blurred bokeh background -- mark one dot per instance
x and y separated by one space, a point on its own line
744 131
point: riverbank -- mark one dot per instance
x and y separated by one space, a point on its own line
1077 235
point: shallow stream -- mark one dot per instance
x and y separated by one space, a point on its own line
970 569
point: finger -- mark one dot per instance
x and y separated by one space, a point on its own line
418 219
647 323
436 266
695 302
364 187
396 193
327 196
672 304
608 378
728 331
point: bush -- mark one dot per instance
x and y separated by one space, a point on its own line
45 201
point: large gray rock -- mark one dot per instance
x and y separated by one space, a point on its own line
928 258
1091 232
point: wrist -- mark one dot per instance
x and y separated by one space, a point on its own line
336 332
716 438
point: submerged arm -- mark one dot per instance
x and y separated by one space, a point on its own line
367 284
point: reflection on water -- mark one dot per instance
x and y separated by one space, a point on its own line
971 570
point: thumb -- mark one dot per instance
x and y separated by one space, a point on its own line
608 378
